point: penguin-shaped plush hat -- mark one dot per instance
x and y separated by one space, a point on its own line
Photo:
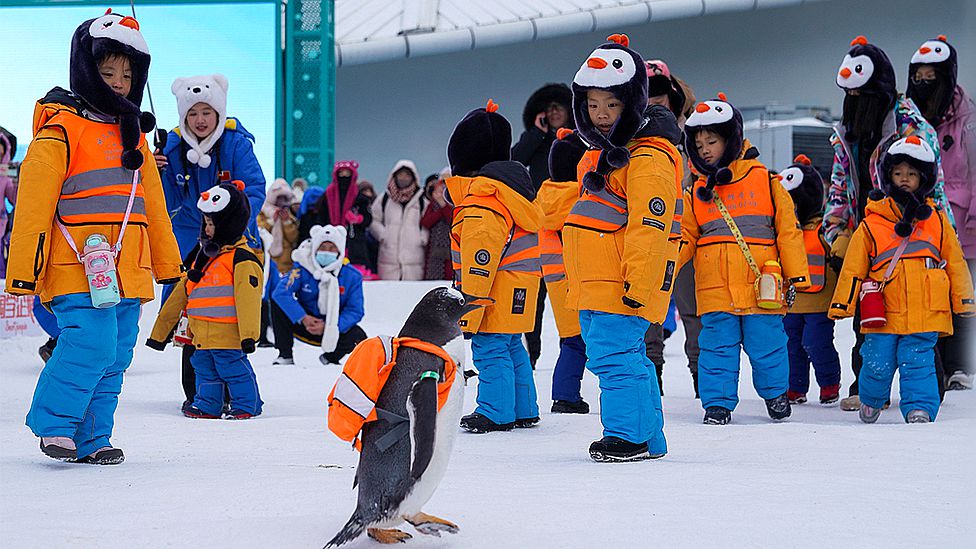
918 154
719 116
230 211
615 68
482 136
867 69
92 41
942 57
806 188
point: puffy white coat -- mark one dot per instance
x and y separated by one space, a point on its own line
397 228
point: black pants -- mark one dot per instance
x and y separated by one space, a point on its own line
265 318
533 339
189 377
285 332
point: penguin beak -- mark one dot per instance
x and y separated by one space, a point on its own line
472 302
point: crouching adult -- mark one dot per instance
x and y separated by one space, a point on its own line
319 302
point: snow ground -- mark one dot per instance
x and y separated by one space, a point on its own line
822 479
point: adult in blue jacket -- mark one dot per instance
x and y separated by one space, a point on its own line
320 301
207 148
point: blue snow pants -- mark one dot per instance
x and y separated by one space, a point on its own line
811 339
913 356
215 368
78 389
506 388
46 319
764 340
630 400
568 372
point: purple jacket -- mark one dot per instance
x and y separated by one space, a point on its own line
957 137
840 214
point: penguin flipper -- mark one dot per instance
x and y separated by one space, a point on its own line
422 409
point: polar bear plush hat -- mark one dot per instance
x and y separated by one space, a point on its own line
212 90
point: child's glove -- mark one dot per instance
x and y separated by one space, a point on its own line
156 345
248 346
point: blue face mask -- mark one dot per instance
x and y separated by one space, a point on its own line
326 258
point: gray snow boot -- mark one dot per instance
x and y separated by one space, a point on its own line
918 416
868 414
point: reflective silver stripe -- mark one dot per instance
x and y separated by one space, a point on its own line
600 212
527 265
554 277
353 397
455 256
610 197
223 311
817 280
94 179
551 259
520 244
387 342
212 291
912 247
816 260
679 206
92 205
751 226
676 228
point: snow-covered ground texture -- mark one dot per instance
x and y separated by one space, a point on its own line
822 479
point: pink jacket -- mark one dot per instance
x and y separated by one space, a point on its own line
957 137
7 189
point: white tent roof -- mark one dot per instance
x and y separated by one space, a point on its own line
370 31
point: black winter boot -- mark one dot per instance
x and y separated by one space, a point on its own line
779 407
613 449
567 407
477 423
716 415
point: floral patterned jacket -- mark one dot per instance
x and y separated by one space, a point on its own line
840 216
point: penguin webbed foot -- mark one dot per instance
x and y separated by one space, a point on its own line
430 525
388 535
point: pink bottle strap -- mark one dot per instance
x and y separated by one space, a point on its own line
894 260
125 221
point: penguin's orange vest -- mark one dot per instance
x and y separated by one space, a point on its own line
212 299
606 211
817 250
352 401
924 242
521 252
749 201
96 188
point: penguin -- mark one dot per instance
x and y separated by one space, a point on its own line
395 484
719 116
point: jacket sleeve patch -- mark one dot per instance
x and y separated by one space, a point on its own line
253 280
482 257
657 206
478 272
655 223
24 285
668 276
518 301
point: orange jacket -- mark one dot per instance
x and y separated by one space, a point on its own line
224 308
823 279
72 171
922 291
352 401
763 211
556 200
618 242
495 251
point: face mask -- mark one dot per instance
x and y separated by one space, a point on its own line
344 179
923 89
326 258
403 183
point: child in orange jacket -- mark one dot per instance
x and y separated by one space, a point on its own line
725 278
89 179
928 281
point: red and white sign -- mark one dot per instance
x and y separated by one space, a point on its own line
17 316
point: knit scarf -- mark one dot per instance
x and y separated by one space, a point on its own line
338 206
328 291
398 195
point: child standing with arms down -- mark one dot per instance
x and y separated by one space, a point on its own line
810 332
740 221
95 197
494 248
621 245
910 248
221 298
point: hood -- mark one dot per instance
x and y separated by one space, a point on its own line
615 68
525 213
310 197
405 164
57 99
482 136
806 188
660 122
542 98
210 89
721 117
352 166
917 153
279 189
